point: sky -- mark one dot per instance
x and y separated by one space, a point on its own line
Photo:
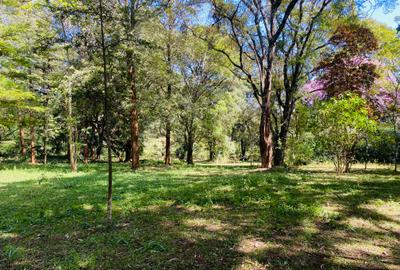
388 18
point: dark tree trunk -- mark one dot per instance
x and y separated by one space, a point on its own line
167 159
211 145
98 151
22 141
86 151
243 149
280 145
128 151
33 146
134 114
190 143
106 115
46 124
45 133
266 139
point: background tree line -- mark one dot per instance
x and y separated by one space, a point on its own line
279 82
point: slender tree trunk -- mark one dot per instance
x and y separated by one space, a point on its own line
106 115
167 159
71 141
211 146
366 154
128 150
396 146
86 150
45 133
22 141
190 143
243 150
71 133
46 124
134 116
33 146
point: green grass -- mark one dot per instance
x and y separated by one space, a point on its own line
201 217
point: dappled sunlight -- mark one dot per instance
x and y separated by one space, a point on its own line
184 219
251 245
251 264
208 225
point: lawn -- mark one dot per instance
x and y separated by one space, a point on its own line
201 217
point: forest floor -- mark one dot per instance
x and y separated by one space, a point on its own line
201 217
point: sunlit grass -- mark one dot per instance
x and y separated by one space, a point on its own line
202 217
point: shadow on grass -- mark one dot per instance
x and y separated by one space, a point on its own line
202 217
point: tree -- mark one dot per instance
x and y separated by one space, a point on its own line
339 133
299 44
201 79
251 31
106 111
387 88
348 66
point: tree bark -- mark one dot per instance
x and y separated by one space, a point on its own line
106 115
396 141
243 149
45 133
190 143
45 142
73 161
211 145
33 146
22 141
266 138
167 159
134 115
128 151
280 145
86 151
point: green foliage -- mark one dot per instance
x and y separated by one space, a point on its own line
339 124
301 150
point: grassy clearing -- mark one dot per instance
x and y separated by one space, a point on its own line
202 217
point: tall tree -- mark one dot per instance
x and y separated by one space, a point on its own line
107 112
253 29
300 42
201 81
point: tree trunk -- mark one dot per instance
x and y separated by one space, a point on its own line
33 146
266 140
134 116
167 159
71 133
86 151
45 133
211 146
22 141
190 143
128 151
396 141
243 150
45 142
280 146
106 116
